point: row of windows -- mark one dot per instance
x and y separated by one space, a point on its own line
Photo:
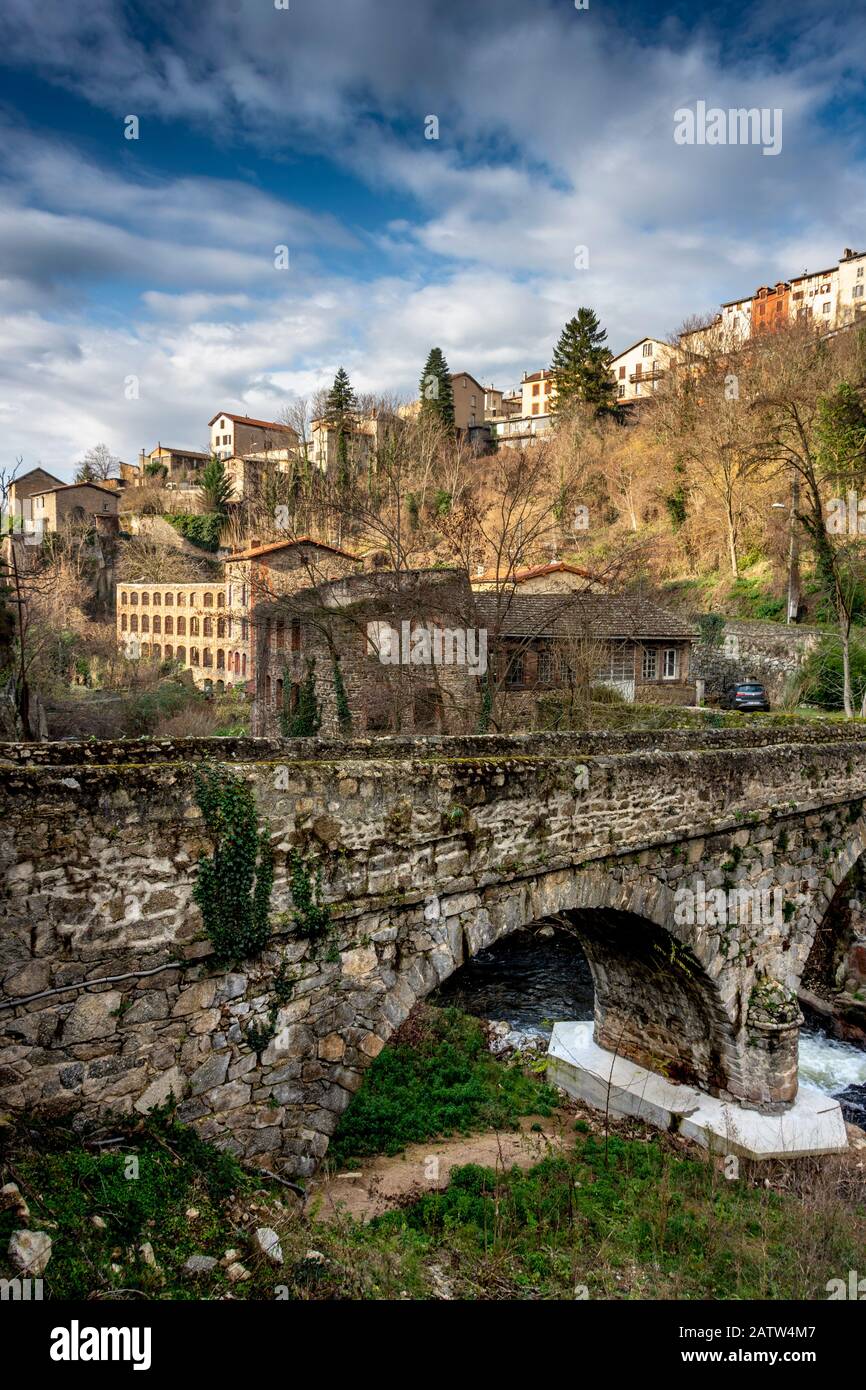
171 626
235 663
554 667
168 600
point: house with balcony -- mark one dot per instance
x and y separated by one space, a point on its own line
639 368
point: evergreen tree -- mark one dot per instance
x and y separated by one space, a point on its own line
216 486
436 392
581 365
340 409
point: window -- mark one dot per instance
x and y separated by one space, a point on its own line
193 656
180 655
671 664
621 391
207 657
825 308
169 600
535 407
133 623
123 622
221 627
650 664
124 598
181 625
858 291
193 627
157 623
169 651
296 634
221 600
535 389
647 349
157 599
621 373
208 600
207 629
181 600
156 651
546 668
169 625
145 600
221 660
514 670
145 623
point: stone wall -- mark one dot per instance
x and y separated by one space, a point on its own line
763 651
430 849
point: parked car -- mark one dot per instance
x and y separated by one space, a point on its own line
745 695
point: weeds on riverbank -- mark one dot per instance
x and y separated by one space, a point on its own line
436 1078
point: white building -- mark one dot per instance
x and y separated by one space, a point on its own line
638 370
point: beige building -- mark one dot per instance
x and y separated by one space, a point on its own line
22 492
164 463
188 624
365 435
814 297
233 436
468 400
851 289
537 393
71 502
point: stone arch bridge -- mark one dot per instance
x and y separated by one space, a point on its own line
429 849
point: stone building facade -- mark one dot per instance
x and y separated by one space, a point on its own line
264 572
366 633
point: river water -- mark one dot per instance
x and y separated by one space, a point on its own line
532 981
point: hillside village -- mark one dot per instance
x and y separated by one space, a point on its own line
254 547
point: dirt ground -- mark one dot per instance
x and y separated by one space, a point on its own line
383 1183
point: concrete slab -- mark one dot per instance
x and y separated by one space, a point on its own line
813 1125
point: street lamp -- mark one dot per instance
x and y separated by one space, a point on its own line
793 548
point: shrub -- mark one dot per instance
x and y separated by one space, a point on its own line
201 529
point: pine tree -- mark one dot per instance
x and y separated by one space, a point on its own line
581 365
436 392
340 409
216 487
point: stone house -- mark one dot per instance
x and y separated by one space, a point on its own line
544 643
402 645
556 577
263 572
72 502
33 484
233 436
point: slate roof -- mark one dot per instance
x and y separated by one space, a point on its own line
606 616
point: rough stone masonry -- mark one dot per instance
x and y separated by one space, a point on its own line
429 850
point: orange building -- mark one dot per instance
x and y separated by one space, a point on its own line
771 307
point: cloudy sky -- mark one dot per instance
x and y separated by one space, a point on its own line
305 127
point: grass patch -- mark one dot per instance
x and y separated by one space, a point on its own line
436 1078
635 1220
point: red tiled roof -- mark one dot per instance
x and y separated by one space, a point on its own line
536 572
256 551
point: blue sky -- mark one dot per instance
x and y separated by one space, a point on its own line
153 258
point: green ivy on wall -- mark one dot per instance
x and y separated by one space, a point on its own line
234 884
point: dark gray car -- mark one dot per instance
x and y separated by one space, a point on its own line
745 695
